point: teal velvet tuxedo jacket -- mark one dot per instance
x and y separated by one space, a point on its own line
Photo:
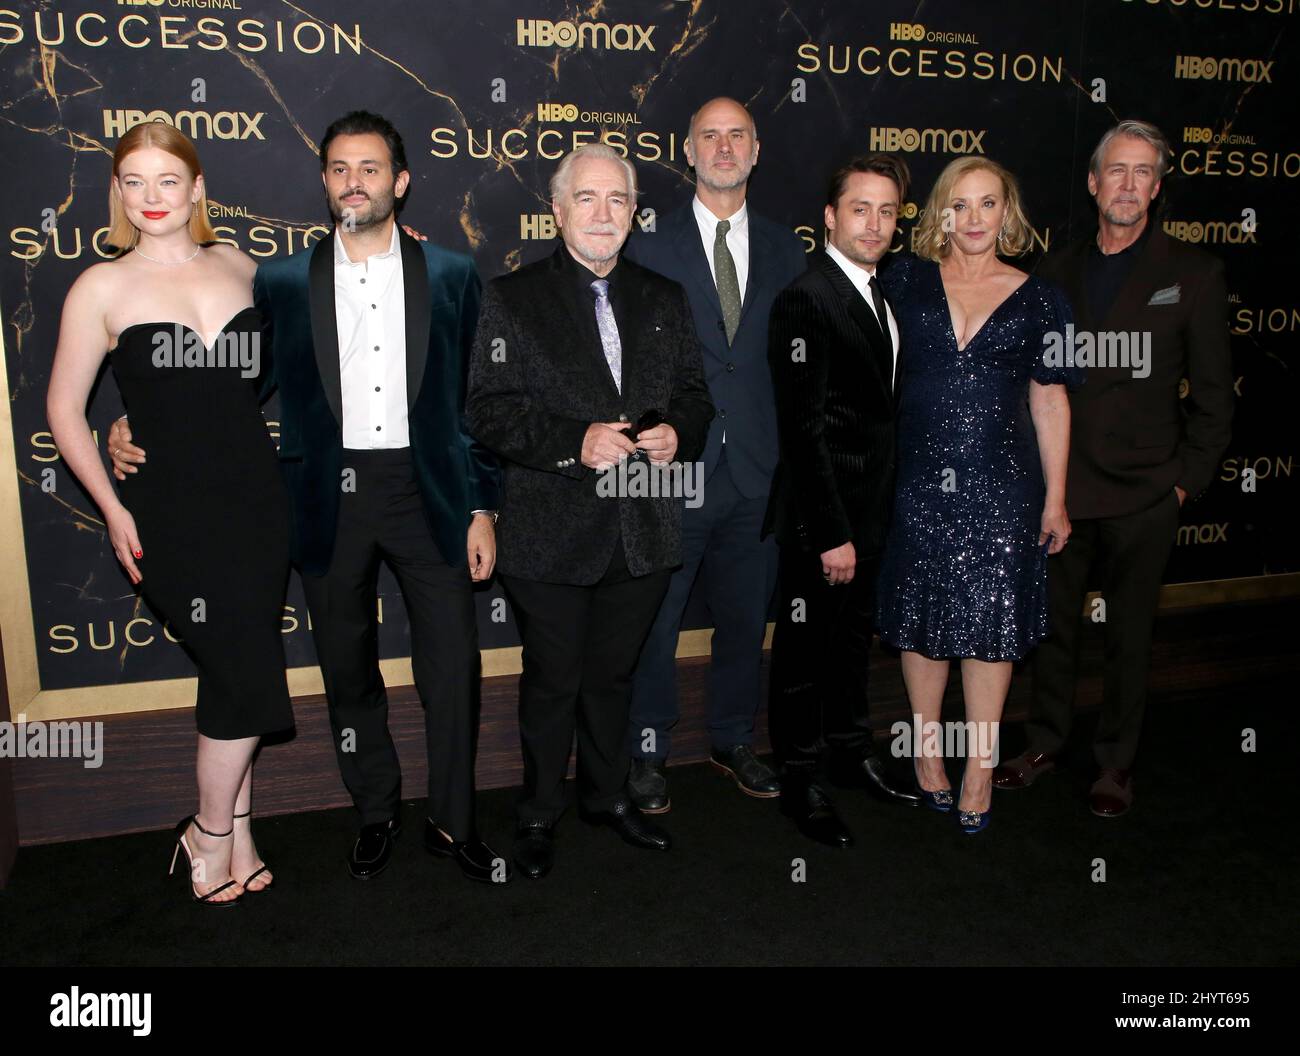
455 474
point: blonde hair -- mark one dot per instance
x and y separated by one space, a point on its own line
122 234
930 240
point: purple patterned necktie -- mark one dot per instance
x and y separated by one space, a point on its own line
609 340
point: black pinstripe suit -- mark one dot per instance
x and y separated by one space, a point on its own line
833 375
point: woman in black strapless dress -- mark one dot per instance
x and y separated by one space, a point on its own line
204 528
212 517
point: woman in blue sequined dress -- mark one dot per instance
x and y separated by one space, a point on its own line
983 437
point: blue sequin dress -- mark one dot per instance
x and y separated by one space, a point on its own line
962 573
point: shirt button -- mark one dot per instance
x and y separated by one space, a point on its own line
376 388
378 428
731 367
376 348
363 282
722 414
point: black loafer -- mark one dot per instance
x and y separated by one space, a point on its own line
534 849
632 827
476 859
752 776
807 806
870 774
374 847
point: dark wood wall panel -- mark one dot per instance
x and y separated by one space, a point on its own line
147 779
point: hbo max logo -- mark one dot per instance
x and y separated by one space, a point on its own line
929 140
1250 71
539 33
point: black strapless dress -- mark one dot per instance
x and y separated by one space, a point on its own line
212 514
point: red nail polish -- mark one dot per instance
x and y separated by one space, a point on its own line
139 553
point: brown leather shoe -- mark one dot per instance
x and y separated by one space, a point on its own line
1112 793
1023 770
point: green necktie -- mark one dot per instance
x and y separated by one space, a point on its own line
728 284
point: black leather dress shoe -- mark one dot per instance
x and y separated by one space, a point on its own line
476 859
534 849
632 826
807 806
752 776
374 847
870 774
647 787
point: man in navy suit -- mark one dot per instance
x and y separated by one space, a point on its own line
732 265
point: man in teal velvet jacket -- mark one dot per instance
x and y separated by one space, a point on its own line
369 332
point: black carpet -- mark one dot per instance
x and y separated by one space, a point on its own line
1201 872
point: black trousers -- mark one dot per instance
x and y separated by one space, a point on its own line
817 704
383 519
1127 555
580 646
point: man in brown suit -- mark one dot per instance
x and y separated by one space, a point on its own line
1137 452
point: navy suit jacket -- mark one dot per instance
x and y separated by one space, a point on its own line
455 475
740 383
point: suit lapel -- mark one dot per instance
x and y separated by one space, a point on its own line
1073 281
690 248
324 323
572 299
760 252
873 344
417 299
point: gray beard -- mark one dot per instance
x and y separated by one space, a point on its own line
1123 221
715 186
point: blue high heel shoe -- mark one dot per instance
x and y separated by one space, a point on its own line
973 821
940 801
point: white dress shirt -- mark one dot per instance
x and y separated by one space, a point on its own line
369 302
737 240
861 278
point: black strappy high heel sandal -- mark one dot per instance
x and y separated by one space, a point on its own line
257 872
181 845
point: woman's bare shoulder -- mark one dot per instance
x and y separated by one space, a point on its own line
101 283
233 257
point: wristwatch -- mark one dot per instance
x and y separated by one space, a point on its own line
494 514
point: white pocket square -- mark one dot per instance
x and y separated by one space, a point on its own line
1171 295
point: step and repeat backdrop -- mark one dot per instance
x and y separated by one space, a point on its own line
490 94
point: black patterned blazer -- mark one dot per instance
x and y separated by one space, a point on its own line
538 378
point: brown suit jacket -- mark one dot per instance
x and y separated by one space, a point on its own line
1132 439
